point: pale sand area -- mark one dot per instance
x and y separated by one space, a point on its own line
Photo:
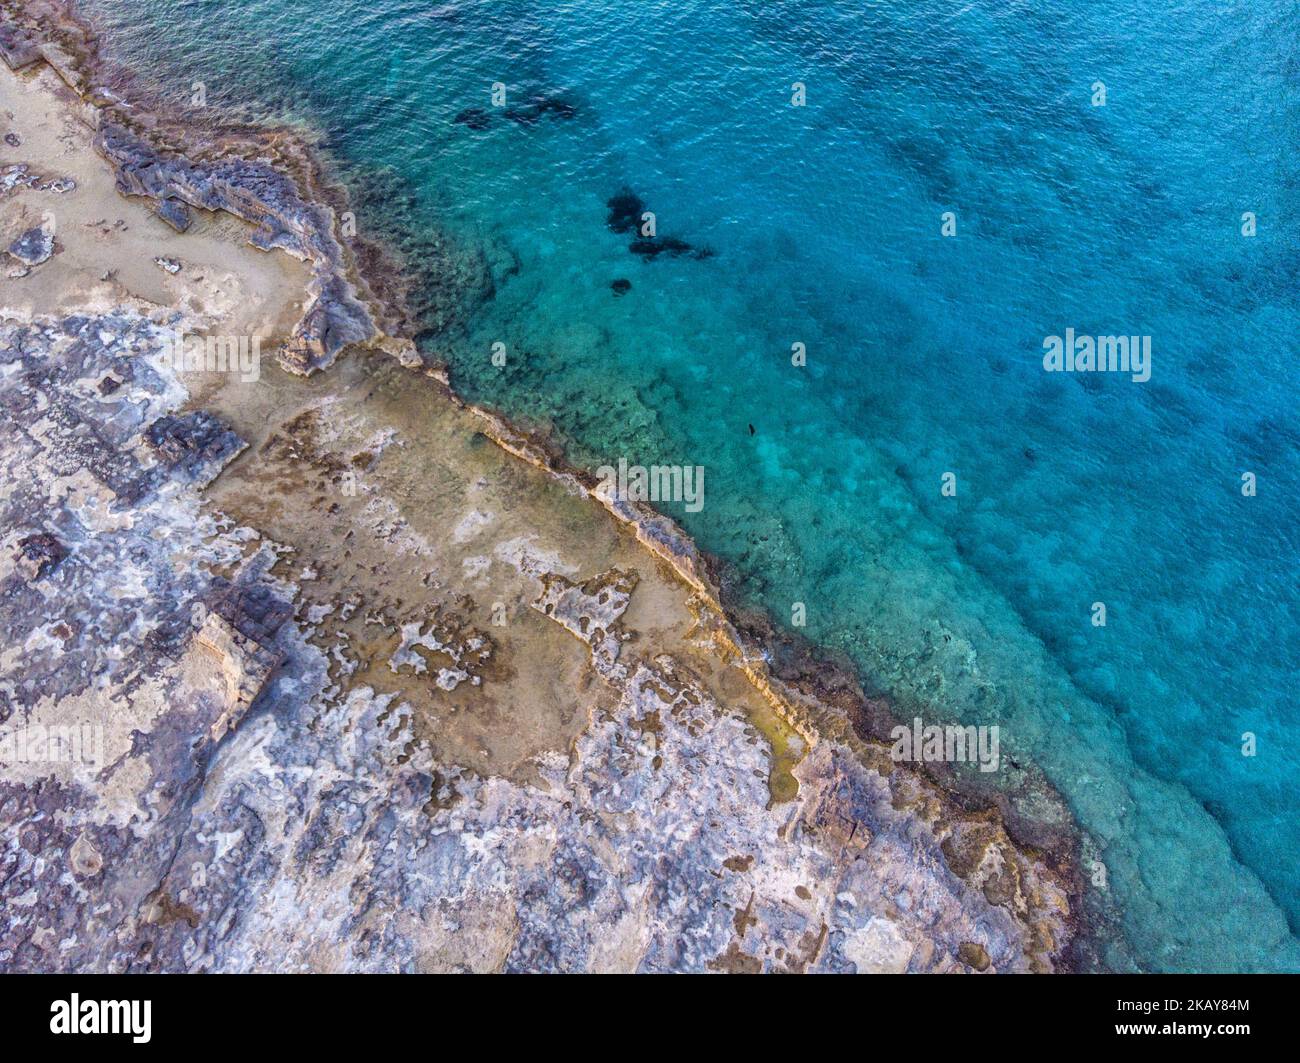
427 563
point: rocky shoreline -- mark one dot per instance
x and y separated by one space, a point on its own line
267 675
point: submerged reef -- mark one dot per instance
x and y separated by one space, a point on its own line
626 213
533 109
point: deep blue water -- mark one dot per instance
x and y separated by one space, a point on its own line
924 352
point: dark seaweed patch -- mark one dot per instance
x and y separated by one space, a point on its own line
625 210
538 106
474 117
653 247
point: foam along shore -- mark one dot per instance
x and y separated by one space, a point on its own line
372 692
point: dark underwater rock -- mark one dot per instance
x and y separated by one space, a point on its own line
621 286
540 106
17 49
268 199
520 115
654 246
625 210
474 117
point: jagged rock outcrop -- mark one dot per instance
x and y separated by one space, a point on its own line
38 555
269 200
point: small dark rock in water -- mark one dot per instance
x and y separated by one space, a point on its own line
561 109
33 247
175 213
38 555
621 286
1215 809
521 115
654 246
625 210
197 443
474 117
12 140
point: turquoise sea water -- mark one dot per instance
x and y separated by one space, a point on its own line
923 352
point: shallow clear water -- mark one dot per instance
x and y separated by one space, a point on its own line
924 352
